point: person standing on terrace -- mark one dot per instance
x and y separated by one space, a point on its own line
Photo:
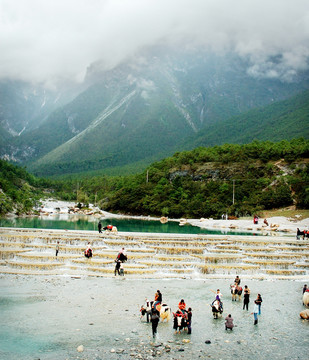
57 248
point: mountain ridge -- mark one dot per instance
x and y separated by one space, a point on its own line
290 117
172 99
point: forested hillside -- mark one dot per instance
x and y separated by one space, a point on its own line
19 190
286 119
204 181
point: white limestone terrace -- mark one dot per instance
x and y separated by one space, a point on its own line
200 256
276 224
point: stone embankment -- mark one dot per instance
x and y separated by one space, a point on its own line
32 251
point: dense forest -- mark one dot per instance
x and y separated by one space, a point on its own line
205 182
19 190
285 119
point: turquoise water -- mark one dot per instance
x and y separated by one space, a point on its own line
49 317
124 225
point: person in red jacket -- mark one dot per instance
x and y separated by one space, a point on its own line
182 306
88 251
158 299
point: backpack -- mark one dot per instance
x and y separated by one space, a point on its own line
154 317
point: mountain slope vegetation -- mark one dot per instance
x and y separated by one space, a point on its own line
19 190
286 119
203 182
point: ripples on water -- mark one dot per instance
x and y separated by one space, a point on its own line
47 318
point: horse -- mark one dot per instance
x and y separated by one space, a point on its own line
164 309
217 308
300 233
180 321
111 228
146 310
236 291
165 312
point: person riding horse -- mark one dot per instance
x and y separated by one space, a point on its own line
236 290
217 308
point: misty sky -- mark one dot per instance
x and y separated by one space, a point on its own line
52 40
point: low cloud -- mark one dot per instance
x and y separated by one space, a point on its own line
54 41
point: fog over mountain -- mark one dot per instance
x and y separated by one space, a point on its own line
54 42
104 84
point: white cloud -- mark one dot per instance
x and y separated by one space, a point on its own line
44 40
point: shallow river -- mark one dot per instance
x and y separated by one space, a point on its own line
84 222
49 317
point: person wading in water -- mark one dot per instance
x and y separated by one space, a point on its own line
246 297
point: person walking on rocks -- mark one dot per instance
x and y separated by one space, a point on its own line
117 267
246 297
155 318
148 311
57 248
100 227
189 320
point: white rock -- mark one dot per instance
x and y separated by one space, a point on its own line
80 348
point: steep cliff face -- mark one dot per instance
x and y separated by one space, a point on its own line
23 108
141 110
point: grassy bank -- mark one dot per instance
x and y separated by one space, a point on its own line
289 212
